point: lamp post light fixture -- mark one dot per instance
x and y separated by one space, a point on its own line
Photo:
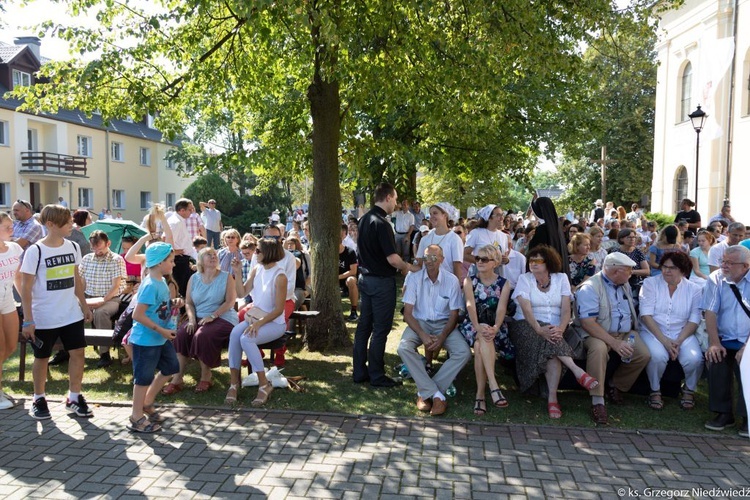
698 119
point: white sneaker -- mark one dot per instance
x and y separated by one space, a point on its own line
5 403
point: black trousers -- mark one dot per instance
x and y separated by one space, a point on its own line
377 297
720 385
182 273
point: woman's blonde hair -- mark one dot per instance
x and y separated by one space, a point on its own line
226 233
154 214
491 252
201 255
576 241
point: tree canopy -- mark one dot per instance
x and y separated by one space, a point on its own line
371 88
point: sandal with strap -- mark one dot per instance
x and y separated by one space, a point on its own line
499 401
263 394
587 381
153 414
478 410
687 400
172 389
554 411
654 401
231 395
143 426
203 386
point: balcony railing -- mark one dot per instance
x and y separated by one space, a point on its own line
53 163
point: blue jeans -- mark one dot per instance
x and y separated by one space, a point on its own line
148 359
213 238
377 297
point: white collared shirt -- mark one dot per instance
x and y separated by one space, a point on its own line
181 235
433 301
671 313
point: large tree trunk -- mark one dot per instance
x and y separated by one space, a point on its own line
328 330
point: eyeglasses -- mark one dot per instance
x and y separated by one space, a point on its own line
727 263
483 260
230 237
536 260
664 267
431 258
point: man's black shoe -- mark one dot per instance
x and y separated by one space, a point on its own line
361 381
59 358
386 382
720 422
353 316
104 361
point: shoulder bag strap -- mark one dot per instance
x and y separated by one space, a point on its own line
738 295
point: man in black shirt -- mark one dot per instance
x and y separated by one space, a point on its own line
378 263
689 214
348 273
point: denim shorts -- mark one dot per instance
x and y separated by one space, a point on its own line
148 359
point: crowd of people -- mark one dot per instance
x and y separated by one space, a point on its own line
551 294
556 294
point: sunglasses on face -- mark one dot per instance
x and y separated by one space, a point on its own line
431 258
483 260
536 260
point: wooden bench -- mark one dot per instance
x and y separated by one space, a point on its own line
94 337
300 320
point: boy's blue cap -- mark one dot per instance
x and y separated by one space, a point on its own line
157 252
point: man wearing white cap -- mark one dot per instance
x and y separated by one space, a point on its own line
607 315
598 212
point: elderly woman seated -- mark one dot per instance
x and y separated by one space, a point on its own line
670 314
543 296
211 316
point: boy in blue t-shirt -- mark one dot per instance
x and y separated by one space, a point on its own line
150 338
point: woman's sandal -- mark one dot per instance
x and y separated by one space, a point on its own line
554 411
499 401
143 426
263 394
172 389
153 414
231 395
587 381
654 401
478 410
687 400
203 386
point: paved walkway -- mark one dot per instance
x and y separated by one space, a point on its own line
215 453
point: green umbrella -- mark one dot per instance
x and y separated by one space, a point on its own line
115 229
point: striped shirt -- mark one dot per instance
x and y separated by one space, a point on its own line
98 272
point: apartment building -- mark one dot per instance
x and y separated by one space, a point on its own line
120 167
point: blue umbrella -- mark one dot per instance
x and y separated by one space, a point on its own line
116 230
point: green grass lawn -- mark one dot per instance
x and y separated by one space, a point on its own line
329 388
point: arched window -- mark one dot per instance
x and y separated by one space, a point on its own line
680 187
686 90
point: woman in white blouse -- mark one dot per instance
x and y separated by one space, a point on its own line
670 313
543 297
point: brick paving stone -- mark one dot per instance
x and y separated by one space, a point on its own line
213 452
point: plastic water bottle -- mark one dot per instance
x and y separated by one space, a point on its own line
451 391
403 371
173 318
631 343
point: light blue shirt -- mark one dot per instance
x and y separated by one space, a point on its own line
154 294
733 322
433 301
588 304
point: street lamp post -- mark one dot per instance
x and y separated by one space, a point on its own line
698 119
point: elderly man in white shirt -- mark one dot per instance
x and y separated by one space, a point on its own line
431 304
